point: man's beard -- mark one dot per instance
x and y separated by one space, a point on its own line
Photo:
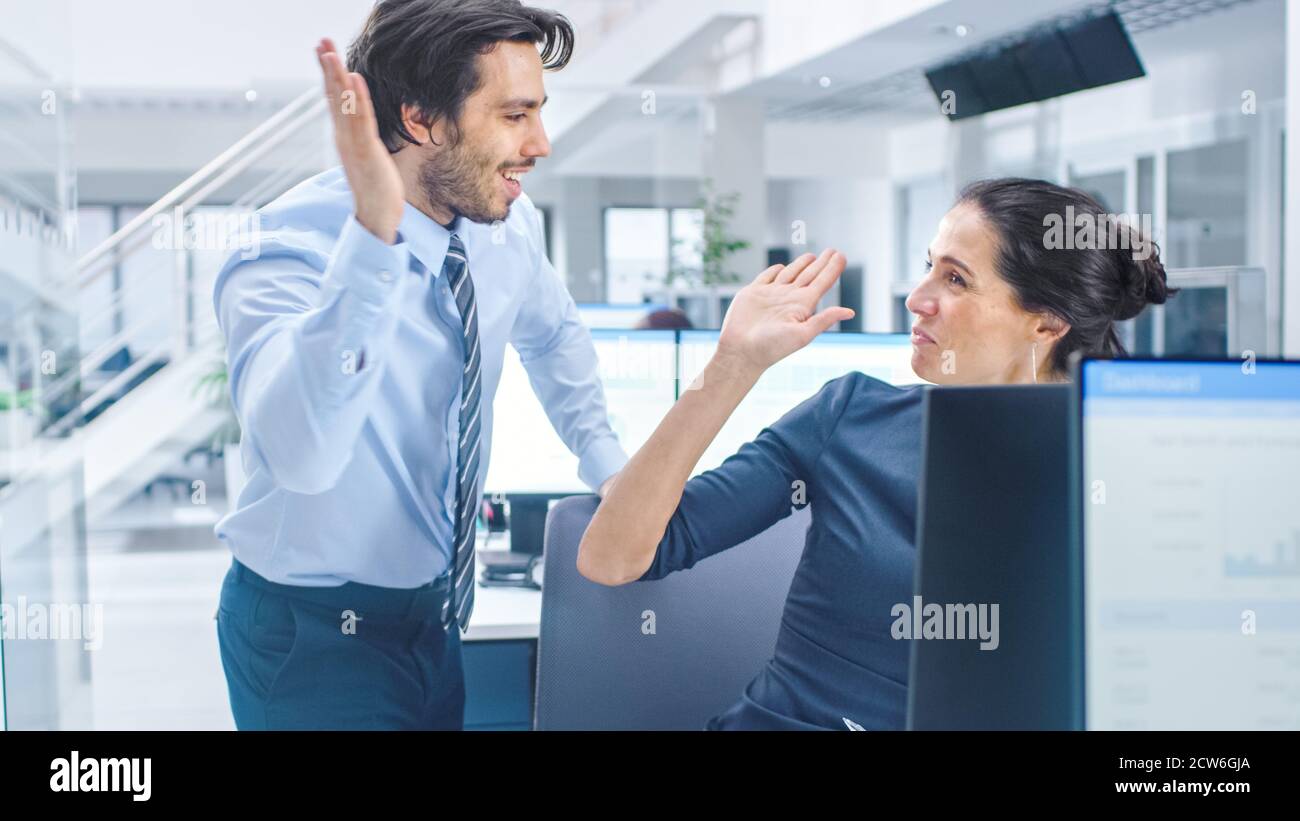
454 177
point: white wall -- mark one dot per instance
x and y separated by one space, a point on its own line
1291 281
853 215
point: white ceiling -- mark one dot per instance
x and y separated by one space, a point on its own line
234 45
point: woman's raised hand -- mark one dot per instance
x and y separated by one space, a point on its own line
773 316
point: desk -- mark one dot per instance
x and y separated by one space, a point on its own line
503 612
500 652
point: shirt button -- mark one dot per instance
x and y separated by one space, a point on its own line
385 276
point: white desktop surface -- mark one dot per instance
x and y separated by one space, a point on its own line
503 612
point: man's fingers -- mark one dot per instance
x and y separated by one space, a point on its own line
793 270
335 83
364 124
364 107
327 76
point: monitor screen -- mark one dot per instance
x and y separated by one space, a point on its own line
638 371
1191 544
887 357
1196 323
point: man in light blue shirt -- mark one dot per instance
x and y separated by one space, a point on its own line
365 344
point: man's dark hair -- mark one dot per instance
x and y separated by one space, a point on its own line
424 53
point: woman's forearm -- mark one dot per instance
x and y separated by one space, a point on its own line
621 540
772 317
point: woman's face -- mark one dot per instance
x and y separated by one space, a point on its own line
969 330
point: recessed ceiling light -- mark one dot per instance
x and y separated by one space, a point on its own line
250 95
824 82
955 30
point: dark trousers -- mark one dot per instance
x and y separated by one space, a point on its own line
350 657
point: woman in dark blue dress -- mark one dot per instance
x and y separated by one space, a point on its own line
1000 303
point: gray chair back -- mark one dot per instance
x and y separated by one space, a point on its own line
657 655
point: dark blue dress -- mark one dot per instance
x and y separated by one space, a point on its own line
856 445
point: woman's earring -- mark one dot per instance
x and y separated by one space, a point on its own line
1033 358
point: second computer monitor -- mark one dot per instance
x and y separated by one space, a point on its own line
1191 543
887 357
638 371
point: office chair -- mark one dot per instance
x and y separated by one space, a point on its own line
715 625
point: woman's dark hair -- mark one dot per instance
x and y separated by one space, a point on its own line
424 53
1090 287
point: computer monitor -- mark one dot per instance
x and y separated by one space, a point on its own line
638 371
1190 533
993 564
885 356
602 316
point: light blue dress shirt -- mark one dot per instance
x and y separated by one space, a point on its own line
345 355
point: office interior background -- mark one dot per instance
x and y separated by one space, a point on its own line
693 143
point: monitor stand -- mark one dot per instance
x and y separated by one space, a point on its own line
527 521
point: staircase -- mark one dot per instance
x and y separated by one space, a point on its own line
134 406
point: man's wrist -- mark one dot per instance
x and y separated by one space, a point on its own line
381 230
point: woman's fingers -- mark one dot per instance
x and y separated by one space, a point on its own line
796 267
767 275
810 273
827 275
825 320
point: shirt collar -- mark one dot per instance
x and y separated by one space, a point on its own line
428 239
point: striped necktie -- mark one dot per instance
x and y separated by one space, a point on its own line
461 596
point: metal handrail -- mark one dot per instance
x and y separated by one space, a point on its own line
186 331
306 103
61 425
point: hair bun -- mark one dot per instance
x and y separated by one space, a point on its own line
1145 283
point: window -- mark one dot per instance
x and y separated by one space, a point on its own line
921 207
642 244
544 217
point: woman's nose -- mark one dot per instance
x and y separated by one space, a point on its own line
920 302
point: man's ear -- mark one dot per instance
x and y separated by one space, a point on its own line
419 126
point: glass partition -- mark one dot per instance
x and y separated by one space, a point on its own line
48 626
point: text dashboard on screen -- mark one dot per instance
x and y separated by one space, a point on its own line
1191 564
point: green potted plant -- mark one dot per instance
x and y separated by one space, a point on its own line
19 418
215 384
716 244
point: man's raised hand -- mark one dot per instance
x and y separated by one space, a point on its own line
377 191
